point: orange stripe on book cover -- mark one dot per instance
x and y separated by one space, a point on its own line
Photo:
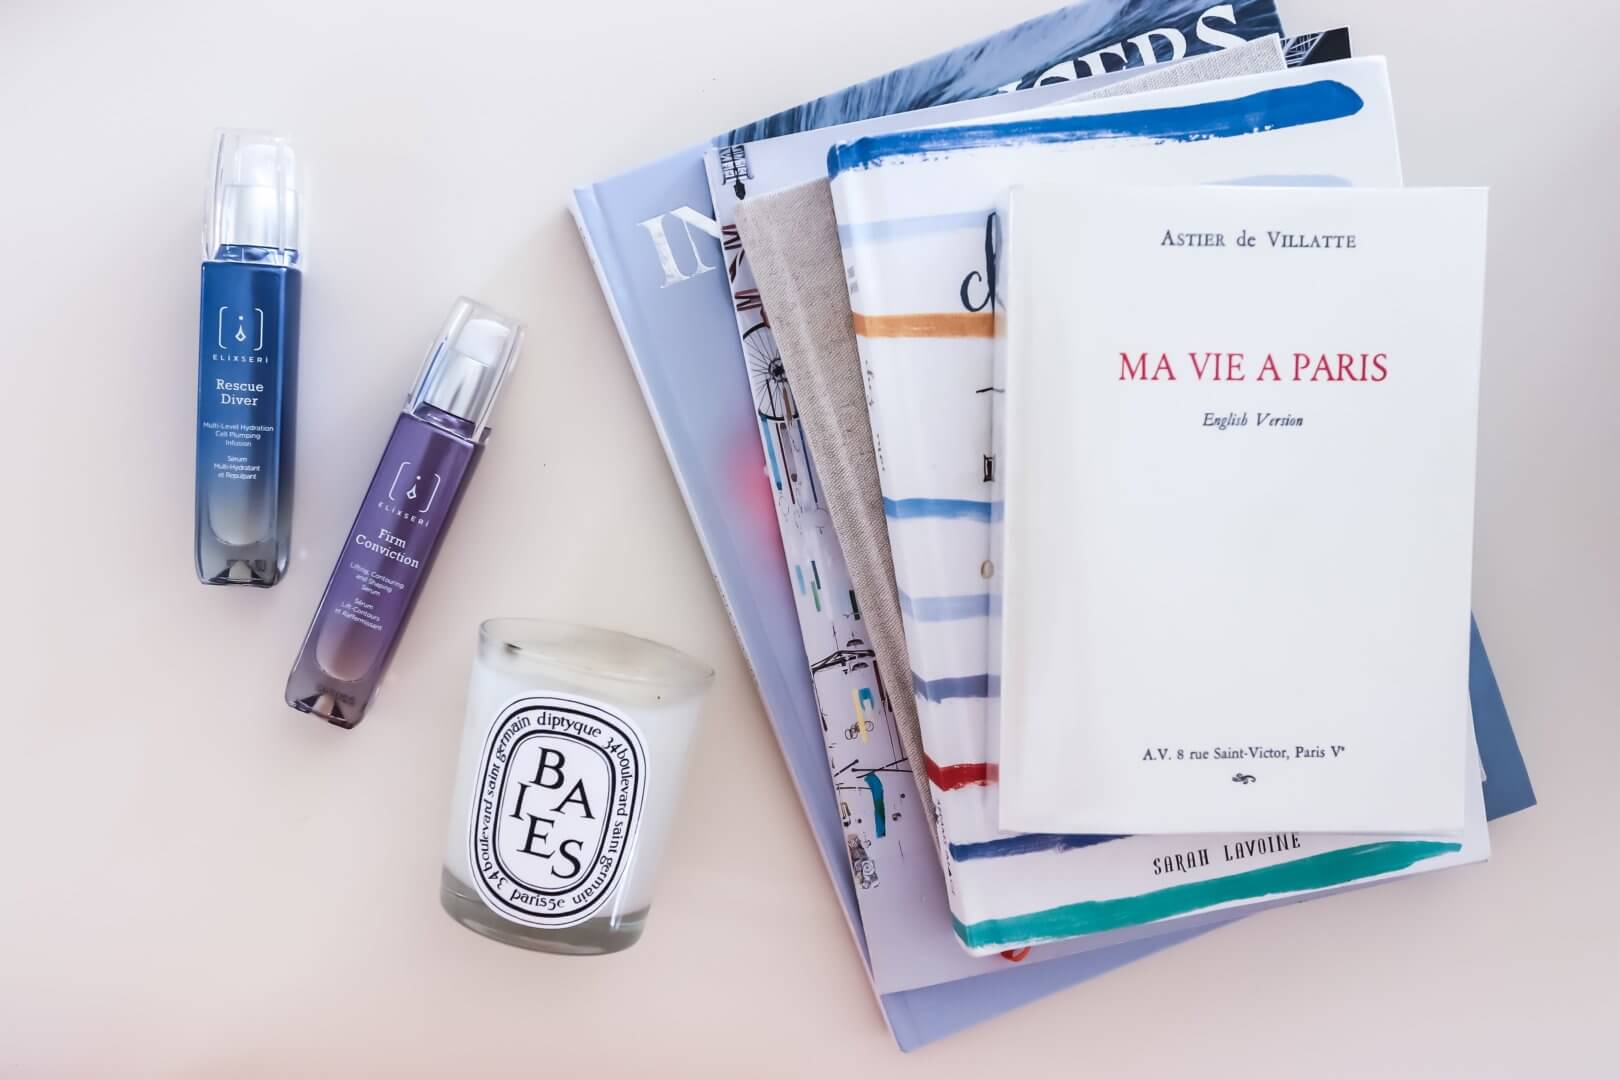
952 324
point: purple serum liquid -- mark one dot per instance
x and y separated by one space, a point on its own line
388 551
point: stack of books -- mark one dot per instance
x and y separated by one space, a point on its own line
1080 427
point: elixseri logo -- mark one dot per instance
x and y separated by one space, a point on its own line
411 493
415 490
239 335
240 331
556 810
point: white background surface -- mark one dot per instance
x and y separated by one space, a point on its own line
201 881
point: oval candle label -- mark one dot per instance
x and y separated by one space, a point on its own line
555 810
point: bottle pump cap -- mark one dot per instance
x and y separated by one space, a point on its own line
469 363
255 200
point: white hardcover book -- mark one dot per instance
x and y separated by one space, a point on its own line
1236 455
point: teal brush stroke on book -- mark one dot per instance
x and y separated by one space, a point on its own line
880 816
1301 875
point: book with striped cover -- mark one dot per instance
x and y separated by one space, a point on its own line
894 845
915 213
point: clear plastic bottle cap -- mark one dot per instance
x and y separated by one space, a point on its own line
469 363
255 199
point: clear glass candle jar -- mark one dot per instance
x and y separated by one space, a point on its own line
572 758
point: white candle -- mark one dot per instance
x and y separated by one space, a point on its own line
572 757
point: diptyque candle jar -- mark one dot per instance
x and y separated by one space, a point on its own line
572 758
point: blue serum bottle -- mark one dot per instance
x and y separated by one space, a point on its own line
247 361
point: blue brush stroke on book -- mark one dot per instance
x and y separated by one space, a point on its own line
955 686
1026 844
949 608
878 232
973 509
1266 110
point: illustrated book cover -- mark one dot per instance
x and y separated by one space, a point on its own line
915 212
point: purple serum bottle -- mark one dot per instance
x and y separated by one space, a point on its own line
387 553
